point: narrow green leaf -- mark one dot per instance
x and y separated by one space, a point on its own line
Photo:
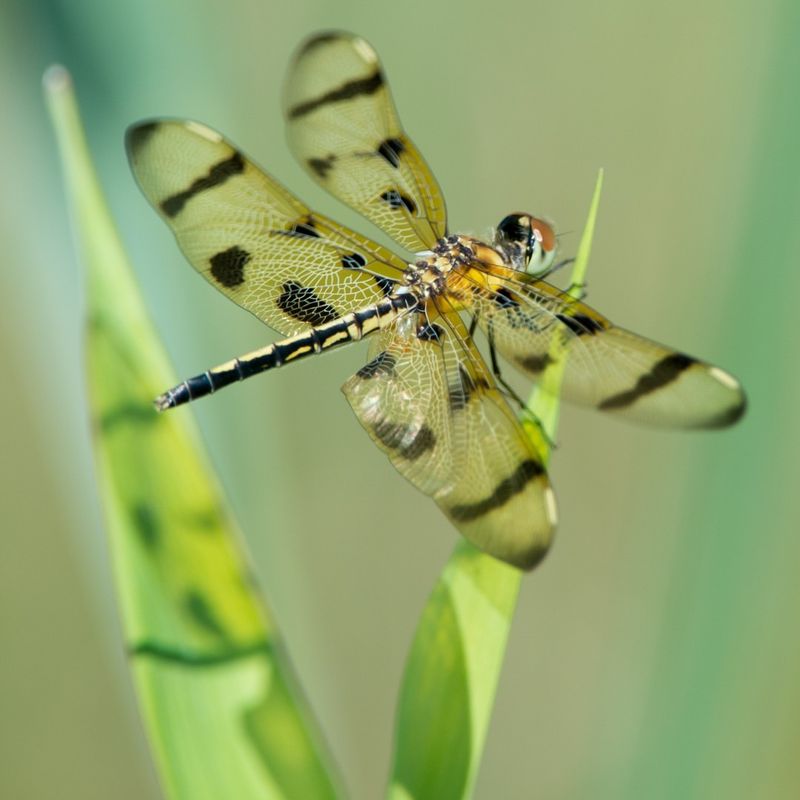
221 706
451 675
544 400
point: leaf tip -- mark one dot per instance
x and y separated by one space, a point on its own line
56 79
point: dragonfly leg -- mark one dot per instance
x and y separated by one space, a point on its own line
508 390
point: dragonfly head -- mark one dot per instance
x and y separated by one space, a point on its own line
528 242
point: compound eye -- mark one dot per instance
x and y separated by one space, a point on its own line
543 246
515 229
515 238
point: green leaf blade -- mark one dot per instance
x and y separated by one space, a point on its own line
220 703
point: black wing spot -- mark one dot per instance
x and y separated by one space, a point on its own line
527 471
382 365
302 303
507 303
347 91
227 267
353 261
403 439
396 201
322 166
304 228
430 332
580 324
386 285
391 150
217 175
137 135
503 298
535 362
664 372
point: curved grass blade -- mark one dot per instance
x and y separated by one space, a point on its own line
222 709
451 675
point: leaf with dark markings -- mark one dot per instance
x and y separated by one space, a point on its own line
218 698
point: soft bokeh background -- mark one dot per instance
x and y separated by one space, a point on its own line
656 652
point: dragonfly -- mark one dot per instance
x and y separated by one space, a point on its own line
443 414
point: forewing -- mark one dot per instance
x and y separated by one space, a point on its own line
250 237
426 400
607 367
343 128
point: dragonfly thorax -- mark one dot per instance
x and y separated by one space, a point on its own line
428 274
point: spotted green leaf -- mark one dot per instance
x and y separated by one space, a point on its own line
220 703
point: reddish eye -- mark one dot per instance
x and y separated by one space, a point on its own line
544 233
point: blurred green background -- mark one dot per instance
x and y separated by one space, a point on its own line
655 654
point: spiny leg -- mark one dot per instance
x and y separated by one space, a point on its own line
473 325
509 391
505 386
576 290
546 273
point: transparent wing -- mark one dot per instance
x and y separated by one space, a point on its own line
607 367
343 128
426 400
250 237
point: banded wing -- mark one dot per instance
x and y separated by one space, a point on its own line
607 367
343 128
250 237
426 400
